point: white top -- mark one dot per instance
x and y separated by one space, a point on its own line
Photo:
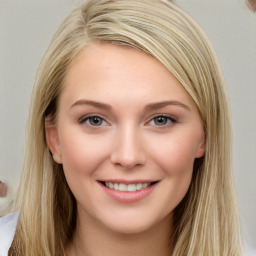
8 225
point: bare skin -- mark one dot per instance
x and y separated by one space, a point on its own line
102 242
124 121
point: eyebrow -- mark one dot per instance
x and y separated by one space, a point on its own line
149 107
91 103
157 105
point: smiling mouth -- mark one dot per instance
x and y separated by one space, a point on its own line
127 187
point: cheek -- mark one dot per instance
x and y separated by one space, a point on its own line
82 154
175 154
176 160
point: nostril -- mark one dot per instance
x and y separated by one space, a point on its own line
127 161
128 151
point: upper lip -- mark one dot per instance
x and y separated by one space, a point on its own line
128 181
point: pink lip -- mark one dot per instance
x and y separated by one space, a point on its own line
128 181
128 197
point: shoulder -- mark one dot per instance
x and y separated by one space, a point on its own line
8 225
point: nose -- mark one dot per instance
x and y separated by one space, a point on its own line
128 151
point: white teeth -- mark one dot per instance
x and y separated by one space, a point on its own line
122 187
139 186
131 187
125 187
144 185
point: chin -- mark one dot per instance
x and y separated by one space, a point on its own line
130 224
129 228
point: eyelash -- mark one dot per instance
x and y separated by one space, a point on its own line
84 119
169 119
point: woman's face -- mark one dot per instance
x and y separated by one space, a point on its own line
127 134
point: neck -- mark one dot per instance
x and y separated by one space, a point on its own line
93 239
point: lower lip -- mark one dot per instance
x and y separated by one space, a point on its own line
128 197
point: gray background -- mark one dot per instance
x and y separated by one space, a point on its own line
26 27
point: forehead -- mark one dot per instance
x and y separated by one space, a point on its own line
108 71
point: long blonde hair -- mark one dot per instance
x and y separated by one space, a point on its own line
206 221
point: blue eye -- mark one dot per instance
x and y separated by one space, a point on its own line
162 120
93 121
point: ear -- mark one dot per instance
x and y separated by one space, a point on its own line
52 139
201 148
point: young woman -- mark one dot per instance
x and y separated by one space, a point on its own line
129 140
